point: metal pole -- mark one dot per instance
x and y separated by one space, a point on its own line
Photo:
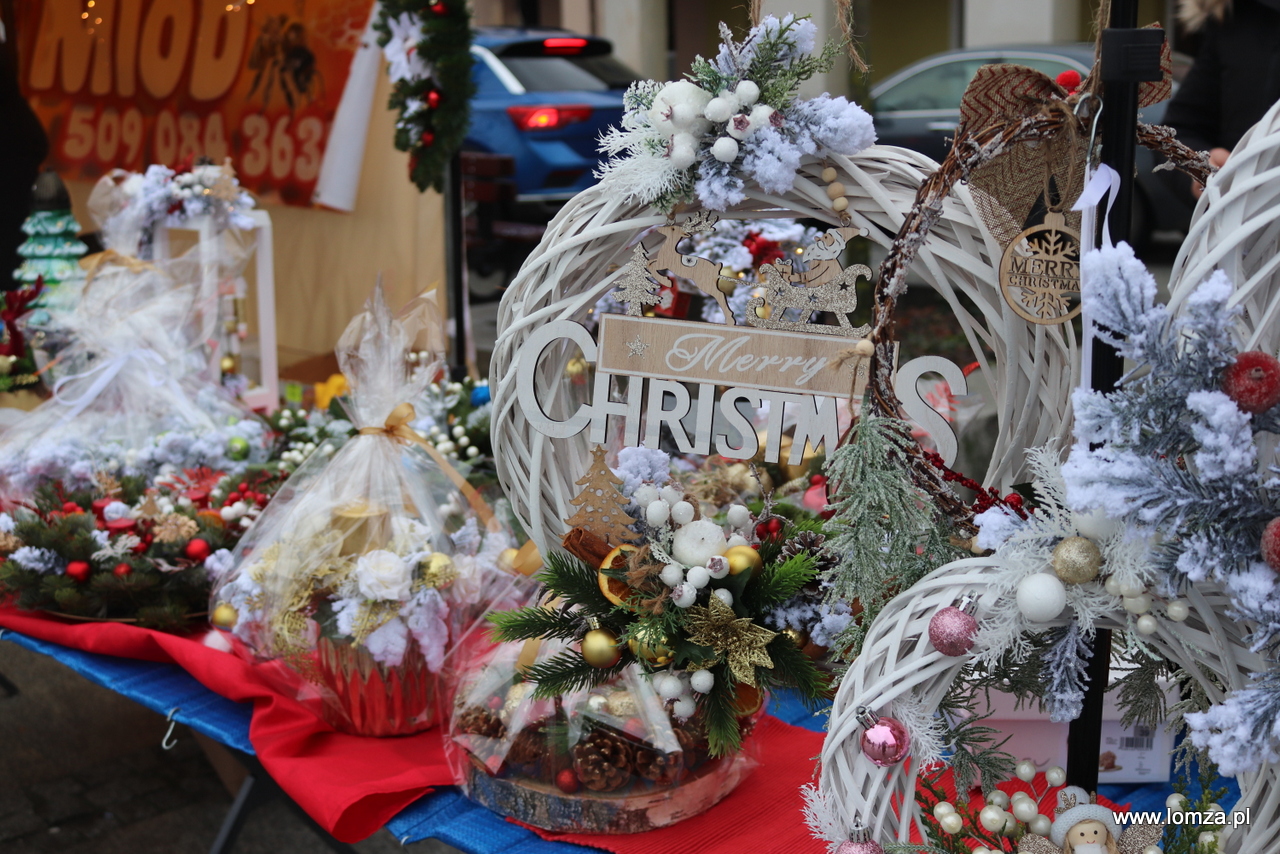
456 263
1122 69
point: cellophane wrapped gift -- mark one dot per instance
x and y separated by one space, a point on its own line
613 758
135 397
349 584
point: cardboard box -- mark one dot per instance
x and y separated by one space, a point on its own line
1132 755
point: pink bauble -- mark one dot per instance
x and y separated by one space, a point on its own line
860 842
885 742
952 631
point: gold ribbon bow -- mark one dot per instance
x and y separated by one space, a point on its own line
397 427
94 263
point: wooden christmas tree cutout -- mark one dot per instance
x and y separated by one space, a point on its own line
602 508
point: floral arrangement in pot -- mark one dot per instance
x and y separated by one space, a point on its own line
625 700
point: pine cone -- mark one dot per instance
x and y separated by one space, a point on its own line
692 735
603 760
662 768
528 750
478 720
810 542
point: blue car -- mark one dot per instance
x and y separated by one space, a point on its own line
544 96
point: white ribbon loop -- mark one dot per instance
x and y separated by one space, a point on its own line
1103 179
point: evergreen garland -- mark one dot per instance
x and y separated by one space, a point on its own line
434 106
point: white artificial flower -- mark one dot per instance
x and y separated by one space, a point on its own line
401 49
6 523
679 106
116 510
384 575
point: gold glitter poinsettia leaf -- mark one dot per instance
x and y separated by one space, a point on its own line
1136 837
738 639
1032 844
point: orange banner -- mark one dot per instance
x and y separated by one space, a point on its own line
127 83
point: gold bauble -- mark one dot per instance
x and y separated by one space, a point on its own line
743 559
228 364
224 617
438 570
1076 560
726 285
576 367
507 559
797 637
600 648
654 653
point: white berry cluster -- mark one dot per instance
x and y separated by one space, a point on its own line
304 438
697 546
680 687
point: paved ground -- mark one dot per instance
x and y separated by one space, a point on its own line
82 772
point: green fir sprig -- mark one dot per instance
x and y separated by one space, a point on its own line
886 533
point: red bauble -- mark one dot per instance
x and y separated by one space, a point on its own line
884 741
198 496
1271 544
143 545
440 8
433 98
952 631
197 549
121 526
428 138
567 781
70 507
1253 382
121 570
79 570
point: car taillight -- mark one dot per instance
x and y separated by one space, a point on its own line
563 46
547 117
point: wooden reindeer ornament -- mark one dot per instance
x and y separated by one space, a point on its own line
669 262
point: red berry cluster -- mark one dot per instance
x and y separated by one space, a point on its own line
986 497
769 529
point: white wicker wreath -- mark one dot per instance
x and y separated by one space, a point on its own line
1236 228
898 662
1032 373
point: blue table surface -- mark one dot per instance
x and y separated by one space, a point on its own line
444 814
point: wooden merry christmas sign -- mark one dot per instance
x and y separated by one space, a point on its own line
699 380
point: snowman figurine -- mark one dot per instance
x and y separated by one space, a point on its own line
1085 827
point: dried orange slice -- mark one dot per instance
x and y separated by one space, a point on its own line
211 518
615 589
747 700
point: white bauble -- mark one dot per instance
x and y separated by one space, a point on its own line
723 595
668 686
645 494
738 540
998 798
1147 625
702 681
747 92
684 708
1040 825
670 494
1041 597
942 808
684 595
1139 604
1177 610
682 512
1055 775
1094 524
720 109
698 576
738 515
1026 771
951 823
1025 809
725 149
992 818
672 574
657 513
